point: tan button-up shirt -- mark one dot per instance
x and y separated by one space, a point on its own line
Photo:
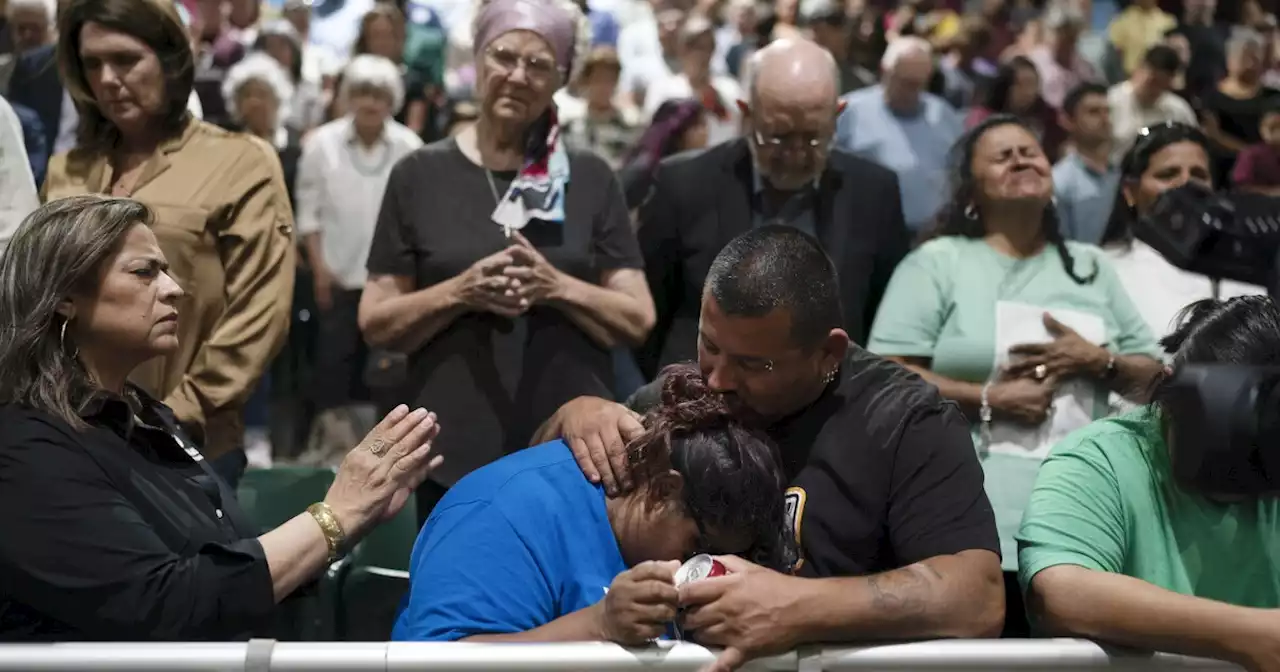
224 222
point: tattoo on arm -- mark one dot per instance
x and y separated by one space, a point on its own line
903 591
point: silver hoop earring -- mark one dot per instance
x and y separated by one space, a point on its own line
62 339
970 212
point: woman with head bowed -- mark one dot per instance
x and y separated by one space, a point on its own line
115 526
503 266
222 214
1132 538
260 96
528 549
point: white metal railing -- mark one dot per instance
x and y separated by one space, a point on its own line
271 656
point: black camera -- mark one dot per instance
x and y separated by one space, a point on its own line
1225 419
1226 425
1227 237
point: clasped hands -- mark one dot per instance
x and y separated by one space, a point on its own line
511 281
745 611
1024 392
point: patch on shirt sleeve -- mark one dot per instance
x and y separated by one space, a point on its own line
794 500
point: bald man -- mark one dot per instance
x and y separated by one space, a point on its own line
900 125
782 172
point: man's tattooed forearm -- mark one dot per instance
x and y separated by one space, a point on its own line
905 591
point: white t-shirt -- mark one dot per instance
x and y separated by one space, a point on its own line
1128 117
18 196
1161 290
339 192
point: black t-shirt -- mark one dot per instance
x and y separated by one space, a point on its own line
1238 117
493 380
1208 56
882 473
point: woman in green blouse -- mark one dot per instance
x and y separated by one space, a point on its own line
956 312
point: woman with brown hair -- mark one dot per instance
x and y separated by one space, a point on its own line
115 527
222 208
590 112
382 33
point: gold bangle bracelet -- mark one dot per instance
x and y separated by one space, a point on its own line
332 529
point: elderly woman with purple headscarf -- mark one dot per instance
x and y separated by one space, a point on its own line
503 268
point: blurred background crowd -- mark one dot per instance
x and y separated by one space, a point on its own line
923 185
661 77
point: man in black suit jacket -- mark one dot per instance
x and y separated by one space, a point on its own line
35 85
783 172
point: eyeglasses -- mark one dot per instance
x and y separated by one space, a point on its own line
806 141
1162 126
536 68
1163 133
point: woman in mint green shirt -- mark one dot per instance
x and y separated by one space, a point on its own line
998 245
1113 547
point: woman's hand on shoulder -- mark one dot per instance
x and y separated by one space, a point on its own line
598 431
376 477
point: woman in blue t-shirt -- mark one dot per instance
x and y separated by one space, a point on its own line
527 549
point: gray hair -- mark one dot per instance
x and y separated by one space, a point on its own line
1061 16
903 47
58 250
1242 37
368 71
263 69
49 7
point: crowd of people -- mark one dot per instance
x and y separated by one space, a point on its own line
897 239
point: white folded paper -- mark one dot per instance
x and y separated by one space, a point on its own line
1075 402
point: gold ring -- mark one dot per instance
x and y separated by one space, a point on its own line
1041 371
379 447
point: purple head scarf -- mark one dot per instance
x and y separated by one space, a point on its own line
538 191
545 18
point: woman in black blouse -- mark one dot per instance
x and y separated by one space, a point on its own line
502 264
1233 110
114 526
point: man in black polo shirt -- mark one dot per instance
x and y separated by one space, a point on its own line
898 539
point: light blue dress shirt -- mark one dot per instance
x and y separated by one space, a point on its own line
915 146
